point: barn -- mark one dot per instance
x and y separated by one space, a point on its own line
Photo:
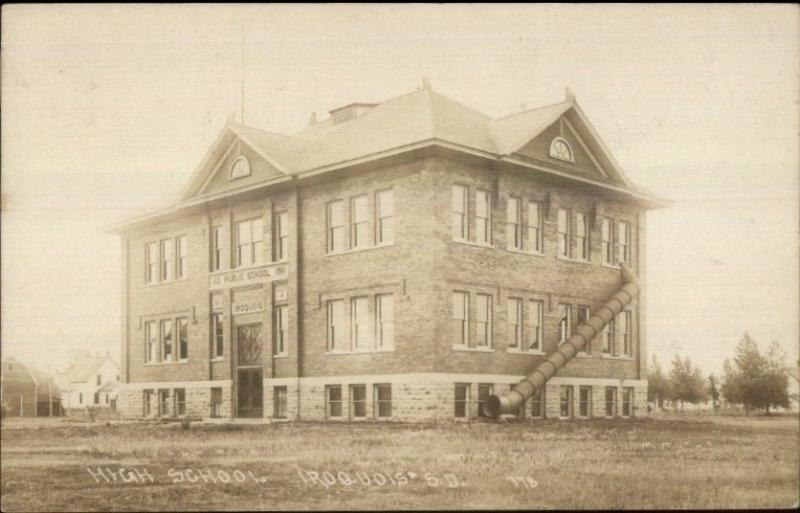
27 392
403 260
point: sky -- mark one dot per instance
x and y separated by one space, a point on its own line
107 110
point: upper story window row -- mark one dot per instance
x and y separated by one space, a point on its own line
524 228
354 217
166 259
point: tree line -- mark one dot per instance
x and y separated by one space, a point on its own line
751 380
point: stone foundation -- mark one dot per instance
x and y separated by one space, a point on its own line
414 397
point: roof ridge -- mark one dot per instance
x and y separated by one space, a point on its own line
460 104
526 111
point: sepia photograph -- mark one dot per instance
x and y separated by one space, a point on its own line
385 257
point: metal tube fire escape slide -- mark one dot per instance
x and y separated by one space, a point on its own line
510 403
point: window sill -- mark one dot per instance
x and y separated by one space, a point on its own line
243 268
280 355
474 243
473 349
535 352
524 252
611 266
358 250
218 359
573 260
157 364
361 351
165 282
615 357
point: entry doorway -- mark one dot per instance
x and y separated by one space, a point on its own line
251 393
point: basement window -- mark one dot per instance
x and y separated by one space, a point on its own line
180 401
461 400
627 401
585 402
537 405
280 403
611 401
358 401
566 402
383 400
333 401
484 391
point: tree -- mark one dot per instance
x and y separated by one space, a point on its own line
776 382
686 382
757 381
658 389
712 390
731 387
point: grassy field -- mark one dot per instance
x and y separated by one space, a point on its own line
677 461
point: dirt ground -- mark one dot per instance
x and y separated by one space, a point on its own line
669 461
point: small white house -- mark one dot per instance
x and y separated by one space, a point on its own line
92 381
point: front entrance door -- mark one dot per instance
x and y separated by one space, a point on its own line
251 393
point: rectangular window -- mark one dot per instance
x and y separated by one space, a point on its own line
583 316
281 328
483 217
359 221
625 331
608 241
459 206
564 322
563 233
280 402
461 318
535 227
537 405
384 321
180 401
383 400
216 402
166 341
96 398
335 226
585 402
514 322
336 321
513 224
624 242
150 342
484 320
333 401
566 401
280 236
147 402
607 336
163 403
183 338
359 324
250 242
536 312
484 391
151 259
384 201
462 400
167 260
216 248
582 236
627 402
358 401
98 379
218 335
80 398
182 252
611 401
